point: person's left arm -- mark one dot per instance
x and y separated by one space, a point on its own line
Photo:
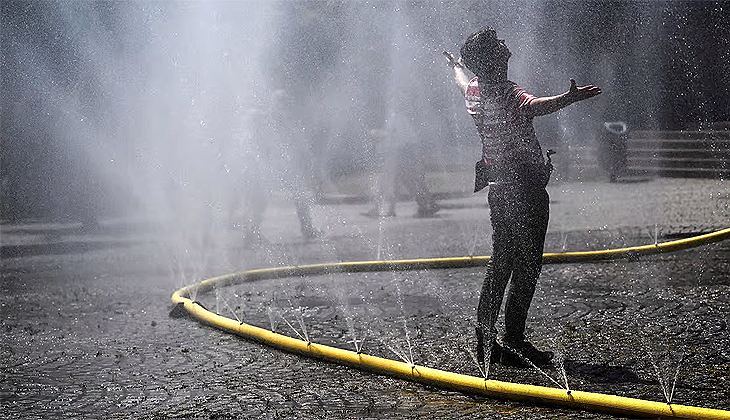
549 104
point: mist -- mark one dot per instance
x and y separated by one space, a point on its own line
171 110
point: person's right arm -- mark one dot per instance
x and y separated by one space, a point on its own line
460 77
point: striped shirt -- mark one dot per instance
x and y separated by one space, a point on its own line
508 136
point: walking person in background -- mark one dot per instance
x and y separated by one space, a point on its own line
276 151
612 149
517 173
403 164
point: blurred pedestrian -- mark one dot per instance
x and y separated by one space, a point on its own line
403 164
517 173
277 143
612 149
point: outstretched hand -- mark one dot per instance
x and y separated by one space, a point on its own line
452 61
583 92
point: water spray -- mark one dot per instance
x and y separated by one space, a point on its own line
408 370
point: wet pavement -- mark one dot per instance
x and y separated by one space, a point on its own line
87 333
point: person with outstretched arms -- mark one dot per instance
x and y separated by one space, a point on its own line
514 167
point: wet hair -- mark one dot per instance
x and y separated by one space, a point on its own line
478 50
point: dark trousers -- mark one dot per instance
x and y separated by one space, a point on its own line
519 217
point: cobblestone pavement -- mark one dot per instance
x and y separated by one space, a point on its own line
86 331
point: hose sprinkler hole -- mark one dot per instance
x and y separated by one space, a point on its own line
568 392
200 304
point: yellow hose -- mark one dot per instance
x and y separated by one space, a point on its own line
450 380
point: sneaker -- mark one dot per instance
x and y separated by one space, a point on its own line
515 354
